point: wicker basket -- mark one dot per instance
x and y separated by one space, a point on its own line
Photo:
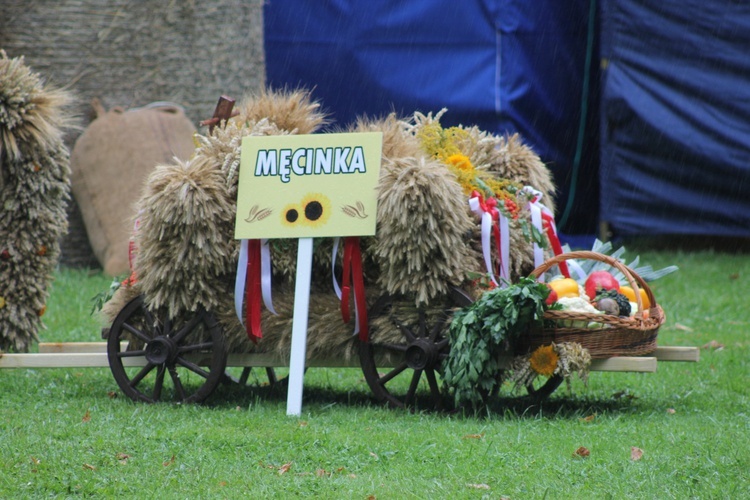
633 336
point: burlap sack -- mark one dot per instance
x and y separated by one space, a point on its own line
110 162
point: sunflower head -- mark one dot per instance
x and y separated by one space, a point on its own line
544 360
316 209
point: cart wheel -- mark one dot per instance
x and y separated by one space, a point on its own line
163 361
410 366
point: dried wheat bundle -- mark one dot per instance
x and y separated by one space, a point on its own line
34 189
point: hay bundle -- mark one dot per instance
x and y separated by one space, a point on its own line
421 244
34 189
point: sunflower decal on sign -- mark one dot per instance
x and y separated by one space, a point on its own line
313 211
290 215
317 209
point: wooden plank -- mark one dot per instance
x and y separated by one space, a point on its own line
624 364
93 354
677 353
72 347
62 360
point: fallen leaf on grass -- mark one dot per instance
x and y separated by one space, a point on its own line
480 486
169 462
581 452
111 394
321 473
635 453
713 345
374 455
303 423
474 436
122 458
589 418
285 468
35 461
671 411
86 417
679 326
89 467
624 394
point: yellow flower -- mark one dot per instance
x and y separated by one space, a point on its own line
461 162
544 360
290 216
316 209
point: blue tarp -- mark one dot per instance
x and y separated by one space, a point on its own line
675 147
506 66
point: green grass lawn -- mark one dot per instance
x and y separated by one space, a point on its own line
69 432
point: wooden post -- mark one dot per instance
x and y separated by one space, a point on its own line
223 111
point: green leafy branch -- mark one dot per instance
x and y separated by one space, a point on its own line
481 334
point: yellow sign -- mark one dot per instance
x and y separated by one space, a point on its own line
300 186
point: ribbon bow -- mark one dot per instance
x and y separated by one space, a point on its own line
493 221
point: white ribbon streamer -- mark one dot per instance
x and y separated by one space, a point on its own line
336 286
504 250
266 275
239 282
476 207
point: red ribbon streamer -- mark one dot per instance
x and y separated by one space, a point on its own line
353 274
549 226
253 292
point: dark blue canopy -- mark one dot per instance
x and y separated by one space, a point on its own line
676 117
502 65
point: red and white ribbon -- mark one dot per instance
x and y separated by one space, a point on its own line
253 282
352 273
543 220
494 223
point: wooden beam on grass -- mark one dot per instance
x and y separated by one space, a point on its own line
63 360
677 353
624 364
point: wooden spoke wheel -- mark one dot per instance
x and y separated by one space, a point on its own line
404 372
155 360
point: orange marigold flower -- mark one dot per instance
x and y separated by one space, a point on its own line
544 360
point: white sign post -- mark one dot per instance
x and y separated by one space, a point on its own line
305 187
299 327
